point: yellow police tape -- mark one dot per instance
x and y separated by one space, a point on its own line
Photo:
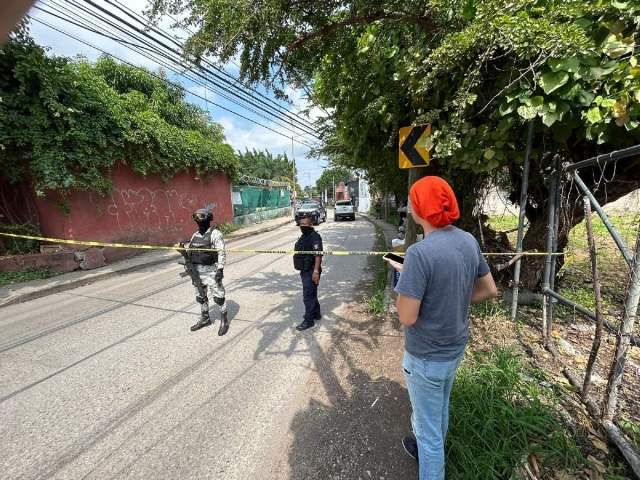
234 250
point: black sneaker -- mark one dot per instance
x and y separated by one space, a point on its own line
411 447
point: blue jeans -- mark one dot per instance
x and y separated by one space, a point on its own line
429 385
310 297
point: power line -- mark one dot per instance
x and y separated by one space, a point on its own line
229 87
151 53
161 62
173 57
155 75
222 71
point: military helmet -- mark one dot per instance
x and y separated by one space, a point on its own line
202 215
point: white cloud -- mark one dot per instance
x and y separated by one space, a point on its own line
203 92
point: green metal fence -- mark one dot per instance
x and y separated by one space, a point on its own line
259 204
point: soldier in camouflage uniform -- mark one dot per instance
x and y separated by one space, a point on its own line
210 266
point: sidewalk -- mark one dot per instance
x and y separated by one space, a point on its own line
390 231
23 292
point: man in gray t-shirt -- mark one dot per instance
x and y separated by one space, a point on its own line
441 272
440 277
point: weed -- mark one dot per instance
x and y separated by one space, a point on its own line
227 227
499 416
489 309
18 246
8 278
632 429
375 302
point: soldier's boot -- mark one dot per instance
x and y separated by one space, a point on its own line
204 321
224 324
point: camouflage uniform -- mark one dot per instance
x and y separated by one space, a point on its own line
208 272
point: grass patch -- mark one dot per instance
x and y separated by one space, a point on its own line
631 429
499 415
375 301
9 278
576 274
227 227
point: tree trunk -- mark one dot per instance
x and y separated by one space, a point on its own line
608 184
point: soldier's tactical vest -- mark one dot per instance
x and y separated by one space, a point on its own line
200 257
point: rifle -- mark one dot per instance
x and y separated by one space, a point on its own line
191 271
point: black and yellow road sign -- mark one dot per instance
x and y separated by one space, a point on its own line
413 150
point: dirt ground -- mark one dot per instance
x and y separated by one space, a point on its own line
356 404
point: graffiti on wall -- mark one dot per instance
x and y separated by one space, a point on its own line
147 210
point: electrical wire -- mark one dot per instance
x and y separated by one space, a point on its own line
229 87
211 64
170 67
70 35
149 51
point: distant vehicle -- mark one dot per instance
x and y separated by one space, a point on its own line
320 202
317 213
344 209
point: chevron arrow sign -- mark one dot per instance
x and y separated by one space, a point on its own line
414 151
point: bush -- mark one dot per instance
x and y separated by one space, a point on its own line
228 227
18 246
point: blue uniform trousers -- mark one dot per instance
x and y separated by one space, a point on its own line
310 297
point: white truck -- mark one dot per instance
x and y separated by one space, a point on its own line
344 209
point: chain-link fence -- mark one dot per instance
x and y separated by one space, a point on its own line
256 204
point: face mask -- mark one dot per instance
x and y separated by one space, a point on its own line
306 230
203 226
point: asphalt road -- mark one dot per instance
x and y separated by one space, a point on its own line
106 381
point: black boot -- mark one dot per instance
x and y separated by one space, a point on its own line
224 324
204 321
305 324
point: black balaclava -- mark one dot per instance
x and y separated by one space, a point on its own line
203 226
306 230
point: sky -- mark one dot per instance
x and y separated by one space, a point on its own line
240 133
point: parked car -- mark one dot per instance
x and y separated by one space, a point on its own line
344 209
317 213
320 202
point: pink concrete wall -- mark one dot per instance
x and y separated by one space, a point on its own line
141 211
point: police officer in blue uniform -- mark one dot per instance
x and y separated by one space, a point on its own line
310 269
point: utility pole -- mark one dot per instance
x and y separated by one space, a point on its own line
333 180
293 159
411 232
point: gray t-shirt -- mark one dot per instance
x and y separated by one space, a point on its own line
441 271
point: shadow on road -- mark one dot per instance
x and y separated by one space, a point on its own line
357 407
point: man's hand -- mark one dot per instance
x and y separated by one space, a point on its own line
315 277
219 275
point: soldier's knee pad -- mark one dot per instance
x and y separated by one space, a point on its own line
202 300
218 300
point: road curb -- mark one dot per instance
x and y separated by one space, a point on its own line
99 276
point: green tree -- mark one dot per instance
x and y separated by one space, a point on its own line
479 71
331 177
66 123
262 164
